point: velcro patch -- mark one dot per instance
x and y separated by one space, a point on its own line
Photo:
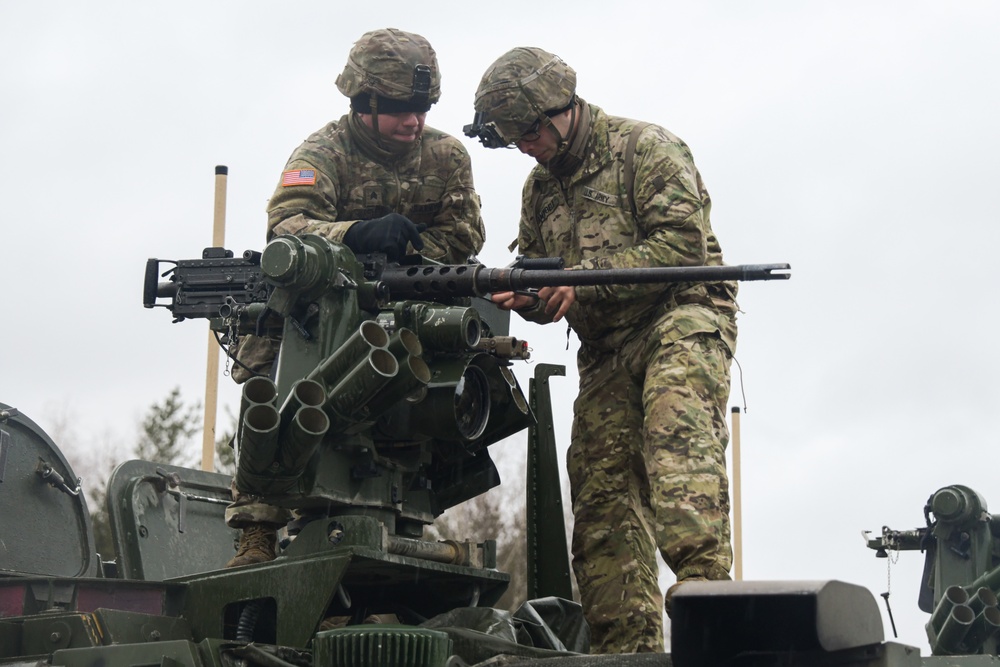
430 207
600 197
298 177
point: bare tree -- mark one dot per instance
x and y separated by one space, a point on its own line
164 436
496 514
92 457
500 514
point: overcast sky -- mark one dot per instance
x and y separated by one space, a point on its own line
857 141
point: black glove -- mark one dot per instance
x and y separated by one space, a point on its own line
388 234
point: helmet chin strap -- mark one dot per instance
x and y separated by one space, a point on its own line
373 103
570 153
562 143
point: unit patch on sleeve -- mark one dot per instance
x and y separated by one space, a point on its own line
298 177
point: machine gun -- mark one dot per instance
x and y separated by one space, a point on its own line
961 578
405 362
203 288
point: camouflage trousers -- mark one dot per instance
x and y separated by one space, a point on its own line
256 353
647 470
247 509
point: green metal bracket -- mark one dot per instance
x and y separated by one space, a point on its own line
548 556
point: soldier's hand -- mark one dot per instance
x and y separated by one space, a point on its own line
389 234
513 300
557 300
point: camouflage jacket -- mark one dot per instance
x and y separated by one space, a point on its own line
337 184
587 220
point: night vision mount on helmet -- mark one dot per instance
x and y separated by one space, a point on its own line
518 89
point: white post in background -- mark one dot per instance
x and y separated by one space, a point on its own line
212 370
737 535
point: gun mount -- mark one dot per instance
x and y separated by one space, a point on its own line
961 577
406 396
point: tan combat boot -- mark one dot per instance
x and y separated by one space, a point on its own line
670 591
256 545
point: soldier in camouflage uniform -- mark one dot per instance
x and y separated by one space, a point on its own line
647 457
377 180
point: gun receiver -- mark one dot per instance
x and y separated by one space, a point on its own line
204 287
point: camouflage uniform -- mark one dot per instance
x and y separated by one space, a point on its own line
430 184
647 458
345 172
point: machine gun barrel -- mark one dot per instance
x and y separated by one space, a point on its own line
218 285
437 281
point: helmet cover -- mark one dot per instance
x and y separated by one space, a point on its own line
392 64
520 86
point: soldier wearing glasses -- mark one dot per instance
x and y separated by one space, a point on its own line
647 457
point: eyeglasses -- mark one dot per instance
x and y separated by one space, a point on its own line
490 135
533 132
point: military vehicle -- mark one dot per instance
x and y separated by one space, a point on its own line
392 382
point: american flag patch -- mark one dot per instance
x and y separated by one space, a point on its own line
298 177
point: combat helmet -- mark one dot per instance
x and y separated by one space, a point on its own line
522 86
391 71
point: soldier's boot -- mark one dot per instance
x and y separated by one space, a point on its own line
673 589
256 545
